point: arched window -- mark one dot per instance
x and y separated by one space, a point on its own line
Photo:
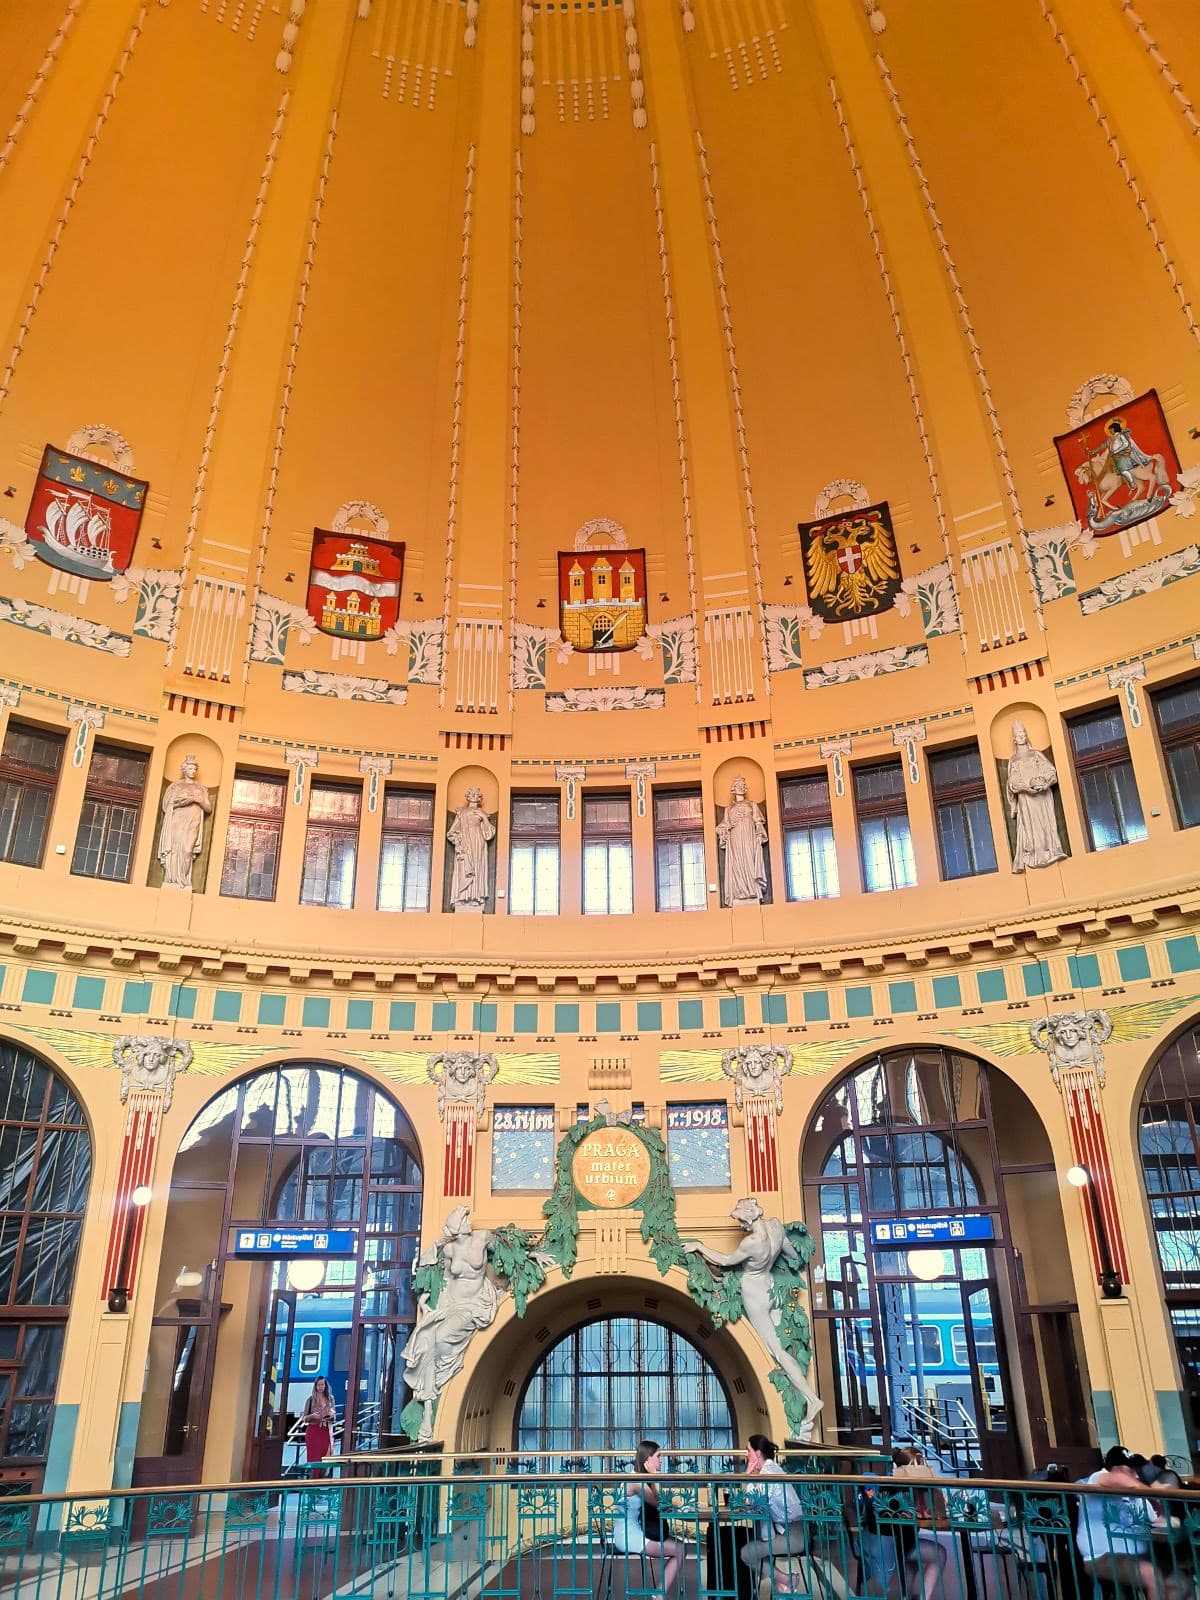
925 1173
45 1168
1169 1140
611 1382
308 1148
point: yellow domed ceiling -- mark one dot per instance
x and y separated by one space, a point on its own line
695 364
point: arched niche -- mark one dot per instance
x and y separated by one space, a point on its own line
463 780
724 779
1037 726
209 770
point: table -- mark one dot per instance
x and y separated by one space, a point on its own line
727 1532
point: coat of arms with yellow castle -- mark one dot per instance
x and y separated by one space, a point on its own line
602 598
354 585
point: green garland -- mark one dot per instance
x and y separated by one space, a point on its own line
520 1258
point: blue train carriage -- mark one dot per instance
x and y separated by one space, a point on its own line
320 1349
941 1367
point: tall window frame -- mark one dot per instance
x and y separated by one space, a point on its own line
110 818
809 846
966 845
884 831
1169 1148
607 876
45 1175
331 844
1104 775
680 871
30 767
534 855
254 838
406 849
1177 718
623 1378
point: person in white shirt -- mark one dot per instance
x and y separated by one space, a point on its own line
782 1533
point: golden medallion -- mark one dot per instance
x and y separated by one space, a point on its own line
611 1168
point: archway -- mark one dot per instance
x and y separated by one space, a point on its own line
503 1369
943 1301
1169 1144
291 1227
45 1172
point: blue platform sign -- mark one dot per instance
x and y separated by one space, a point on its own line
906 1232
279 1242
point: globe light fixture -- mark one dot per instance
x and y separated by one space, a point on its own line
305 1273
1078 1177
928 1265
142 1195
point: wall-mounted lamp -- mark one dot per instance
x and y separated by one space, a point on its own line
289 577
419 598
118 1294
787 582
1111 1286
541 605
10 493
1193 433
664 598
1049 500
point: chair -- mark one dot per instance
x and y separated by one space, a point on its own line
606 1506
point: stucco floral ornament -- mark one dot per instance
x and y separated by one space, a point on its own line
148 1061
1184 500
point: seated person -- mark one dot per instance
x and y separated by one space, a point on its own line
1114 1532
782 1534
642 1531
923 1555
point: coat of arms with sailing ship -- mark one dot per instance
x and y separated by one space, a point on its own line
84 516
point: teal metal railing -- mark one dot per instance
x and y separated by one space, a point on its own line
441 1528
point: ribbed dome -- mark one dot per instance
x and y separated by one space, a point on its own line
647 289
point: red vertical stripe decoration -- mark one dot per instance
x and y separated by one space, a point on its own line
762 1155
460 1149
143 1120
1089 1143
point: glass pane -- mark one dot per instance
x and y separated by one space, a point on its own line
1184 766
33 747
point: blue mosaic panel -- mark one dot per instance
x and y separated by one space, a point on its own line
522 1147
698 1145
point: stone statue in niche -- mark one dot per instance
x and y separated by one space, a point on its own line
1030 792
148 1061
185 805
757 1070
468 1301
1073 1039
766 1240
743 833
461 1078
470 833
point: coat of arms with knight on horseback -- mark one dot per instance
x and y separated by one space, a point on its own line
1121 467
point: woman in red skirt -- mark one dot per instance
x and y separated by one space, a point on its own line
318 1417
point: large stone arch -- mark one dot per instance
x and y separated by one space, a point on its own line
480 1413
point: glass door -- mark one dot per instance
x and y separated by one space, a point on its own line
270 1420
983 1335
